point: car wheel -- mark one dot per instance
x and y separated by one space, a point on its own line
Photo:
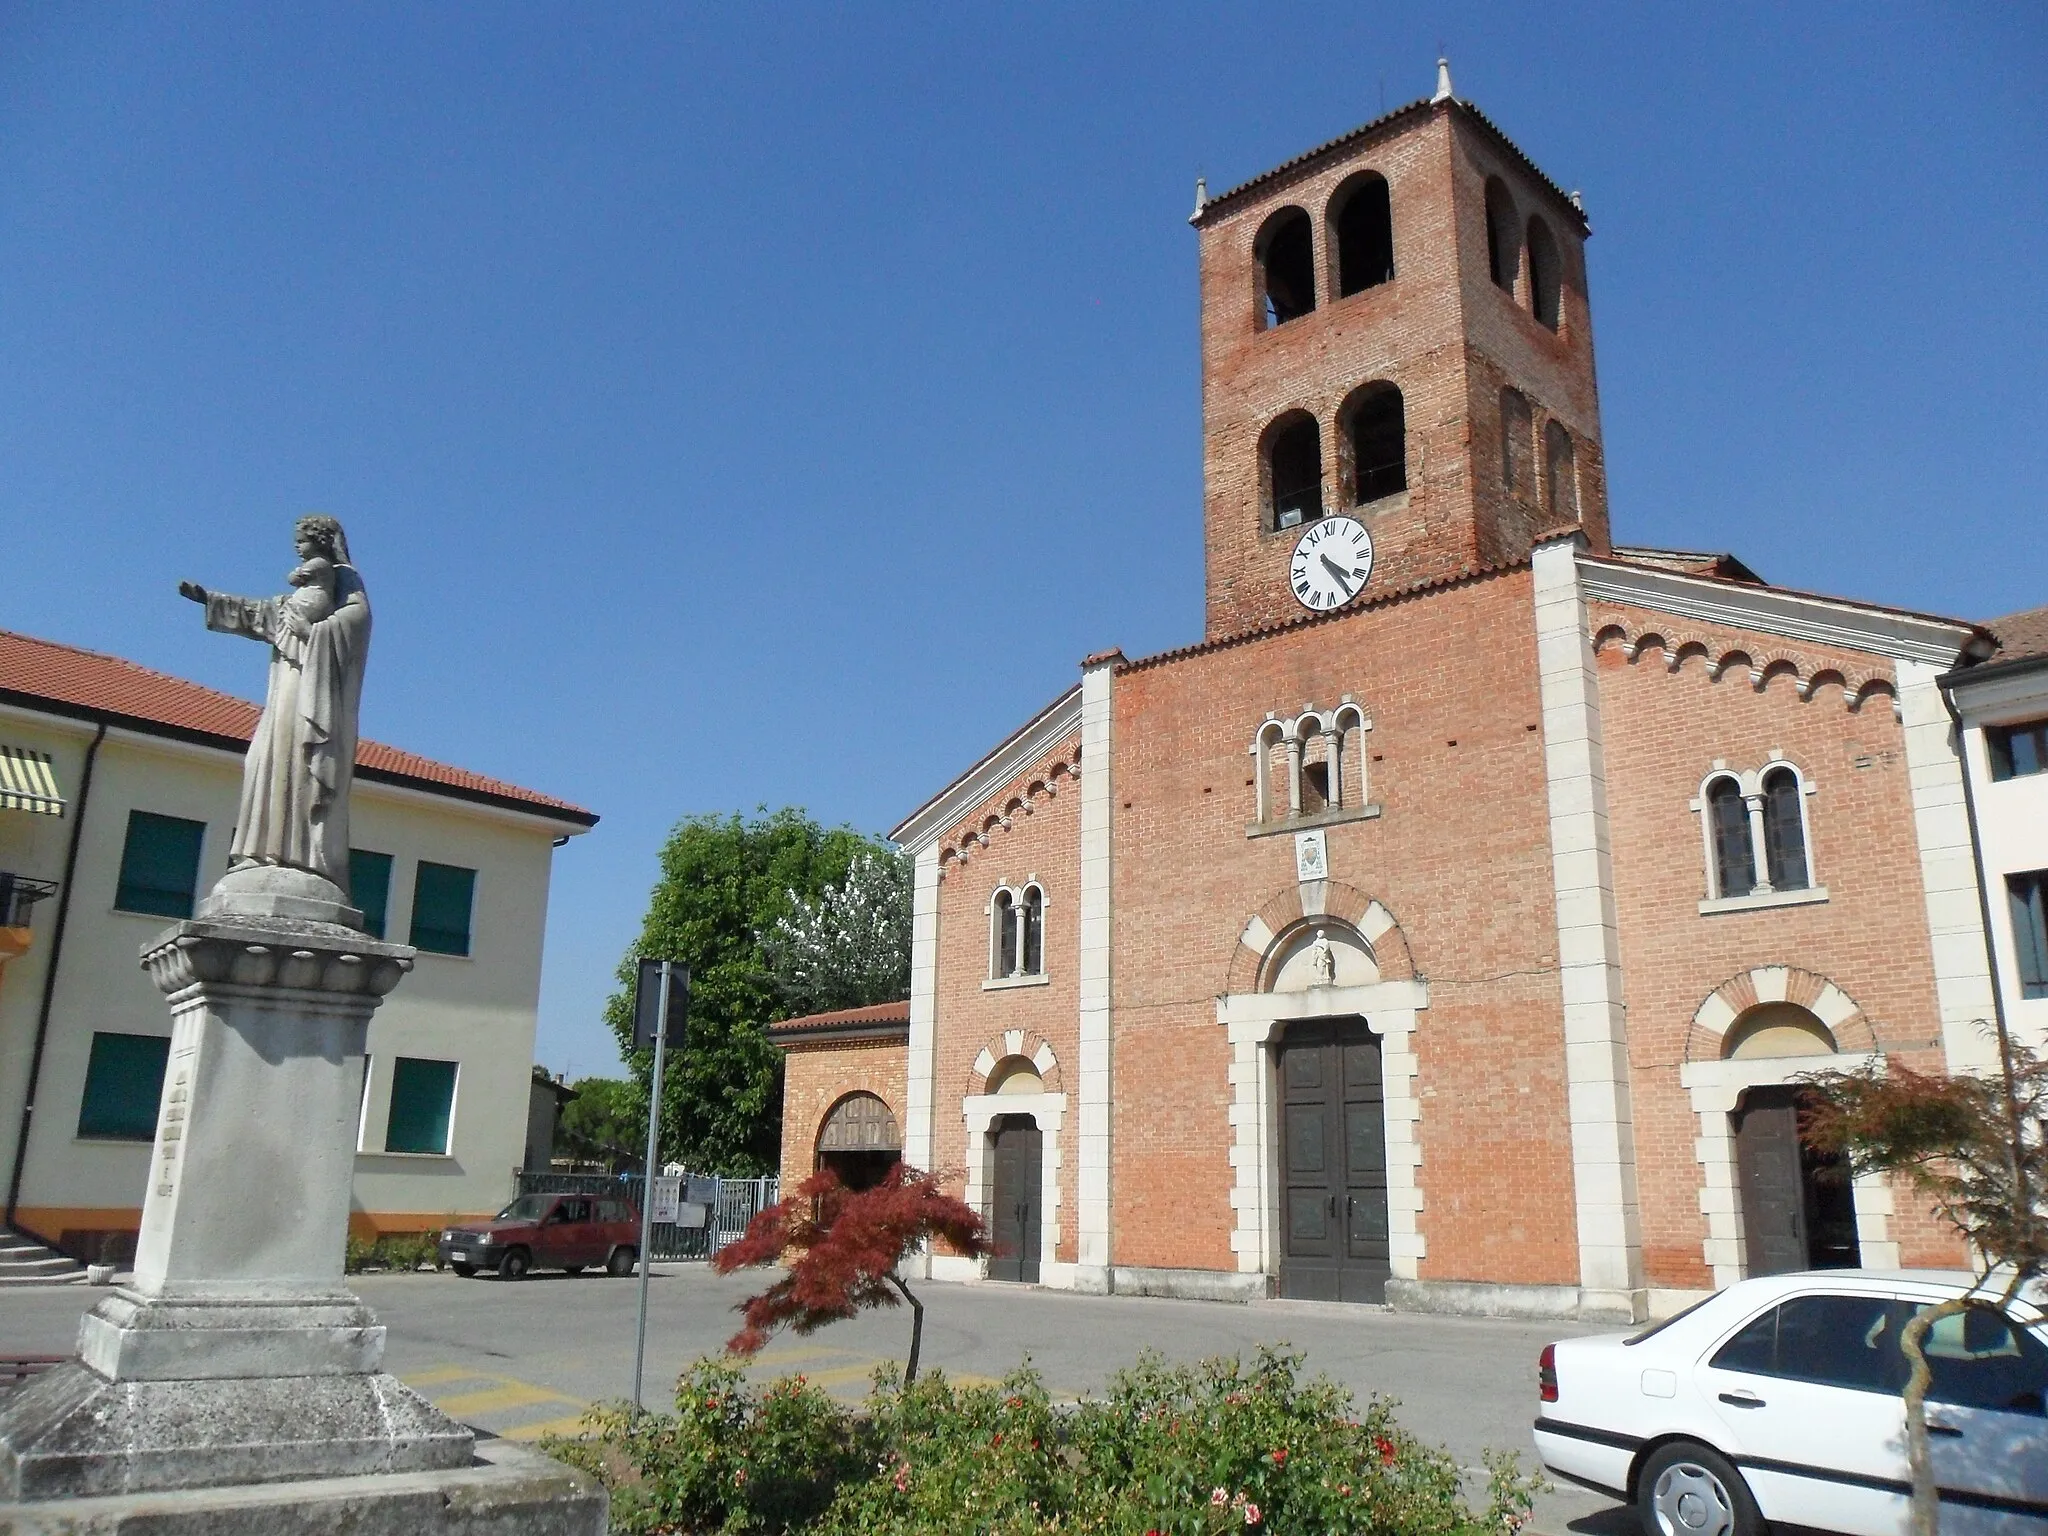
464 1270
573 1269
515 1264
621 1262
1687 1490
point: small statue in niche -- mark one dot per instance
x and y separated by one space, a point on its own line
1322 961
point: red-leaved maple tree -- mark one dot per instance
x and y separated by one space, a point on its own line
843 1248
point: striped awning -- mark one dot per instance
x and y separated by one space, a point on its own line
27 782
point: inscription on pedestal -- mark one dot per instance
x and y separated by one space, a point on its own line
176 1102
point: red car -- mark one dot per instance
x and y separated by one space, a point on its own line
572 1232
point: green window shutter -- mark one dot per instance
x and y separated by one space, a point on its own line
124 1080
422 1102
160 864
369 888
441 899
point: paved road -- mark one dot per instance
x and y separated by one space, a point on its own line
522 1360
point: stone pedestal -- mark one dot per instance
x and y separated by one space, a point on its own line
237 1355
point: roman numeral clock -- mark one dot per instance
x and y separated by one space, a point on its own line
1332 560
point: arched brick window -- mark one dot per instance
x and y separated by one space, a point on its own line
1294 470
1031 942
1503 236
1517 444
1285 251
1785 831
1546 274
1002 935
1362 222
1376 432
1728 825
1560 474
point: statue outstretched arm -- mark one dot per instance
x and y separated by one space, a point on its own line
254 617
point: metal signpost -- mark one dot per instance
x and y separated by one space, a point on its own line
661 1011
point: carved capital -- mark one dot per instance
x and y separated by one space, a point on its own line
298 957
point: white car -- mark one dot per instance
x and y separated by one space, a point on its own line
1777 1401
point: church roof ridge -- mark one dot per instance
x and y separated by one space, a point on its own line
1458 578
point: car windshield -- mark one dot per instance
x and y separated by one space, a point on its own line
526 1208
1656 1328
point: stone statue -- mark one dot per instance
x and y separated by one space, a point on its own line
295 779
1322 963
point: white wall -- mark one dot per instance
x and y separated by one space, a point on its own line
478 1011
2012 827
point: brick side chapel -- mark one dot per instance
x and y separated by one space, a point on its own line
1450 926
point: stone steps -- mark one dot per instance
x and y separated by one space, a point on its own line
24 1261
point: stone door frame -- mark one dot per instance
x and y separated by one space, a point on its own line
979 1111
1254 1023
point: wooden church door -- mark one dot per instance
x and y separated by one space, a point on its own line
1333 1147
1018 1198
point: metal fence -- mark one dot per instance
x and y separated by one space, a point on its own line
732 1204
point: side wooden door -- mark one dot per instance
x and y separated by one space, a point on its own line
1016 1198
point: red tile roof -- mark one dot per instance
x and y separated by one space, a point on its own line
91 685
2021 636
881 1016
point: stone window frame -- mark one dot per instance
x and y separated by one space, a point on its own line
1350 779
1014 896
1749 782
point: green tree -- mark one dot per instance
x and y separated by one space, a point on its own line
849 945
606 1119
725 883
1975 1146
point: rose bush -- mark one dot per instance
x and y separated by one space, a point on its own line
1169 1450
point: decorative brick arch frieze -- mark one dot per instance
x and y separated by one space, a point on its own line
1057 772
1265 931
1034 1048
1726 657
1715 1086
1846 1022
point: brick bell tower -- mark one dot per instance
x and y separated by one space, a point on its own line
1395 328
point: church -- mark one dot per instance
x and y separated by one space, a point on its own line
1450 925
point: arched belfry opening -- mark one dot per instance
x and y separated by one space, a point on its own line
1287 267
1362 226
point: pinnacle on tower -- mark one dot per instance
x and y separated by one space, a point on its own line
1443 82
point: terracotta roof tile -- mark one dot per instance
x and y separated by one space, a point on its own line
94 685
842 1018
2021 636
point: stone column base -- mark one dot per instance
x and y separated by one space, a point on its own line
509 1491
133 1337
71 1433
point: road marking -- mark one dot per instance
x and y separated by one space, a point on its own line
510 1394
800 1352
436 1375
572 1426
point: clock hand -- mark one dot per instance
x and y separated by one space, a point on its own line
1337 571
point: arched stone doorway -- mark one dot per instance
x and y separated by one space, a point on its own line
1016 1197
1772 1205
1798 1210
859 1141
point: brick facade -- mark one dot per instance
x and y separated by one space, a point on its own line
1498 750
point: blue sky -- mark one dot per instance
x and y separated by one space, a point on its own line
742 405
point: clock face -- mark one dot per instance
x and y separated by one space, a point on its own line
1331 563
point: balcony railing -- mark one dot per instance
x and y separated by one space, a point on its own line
18 894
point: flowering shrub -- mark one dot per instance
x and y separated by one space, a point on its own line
1171 1450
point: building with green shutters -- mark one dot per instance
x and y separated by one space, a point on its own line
118 792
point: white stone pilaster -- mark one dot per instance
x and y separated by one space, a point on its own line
1948 869
1588 938
1092 1180
924 998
